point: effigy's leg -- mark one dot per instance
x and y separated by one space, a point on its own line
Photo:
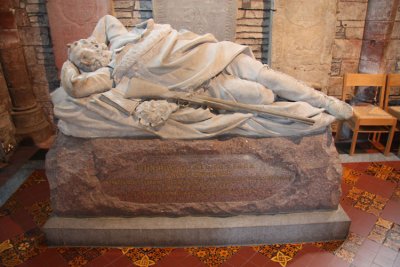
108 29
286 86
229 87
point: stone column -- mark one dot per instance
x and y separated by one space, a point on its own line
7 129
379 24
28 116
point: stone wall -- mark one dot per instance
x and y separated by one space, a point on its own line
302 37
343 55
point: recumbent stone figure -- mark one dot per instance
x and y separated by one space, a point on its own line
129 68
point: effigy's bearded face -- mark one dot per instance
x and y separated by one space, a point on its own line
89 55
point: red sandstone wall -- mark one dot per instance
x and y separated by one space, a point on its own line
367 39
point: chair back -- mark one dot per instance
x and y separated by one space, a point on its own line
352 80
393 80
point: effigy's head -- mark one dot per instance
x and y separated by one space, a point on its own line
89 55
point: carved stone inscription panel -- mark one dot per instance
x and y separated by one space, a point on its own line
73 20
303 35
131 177
207 16
194 178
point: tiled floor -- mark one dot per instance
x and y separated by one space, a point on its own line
371 197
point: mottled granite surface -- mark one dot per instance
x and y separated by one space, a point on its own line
219 177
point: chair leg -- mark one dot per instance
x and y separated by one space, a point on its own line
390 139
376 137
338 130
354 141
379 137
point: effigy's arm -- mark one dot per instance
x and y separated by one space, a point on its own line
80 85
108 29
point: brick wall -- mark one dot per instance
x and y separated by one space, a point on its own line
132 12
251 29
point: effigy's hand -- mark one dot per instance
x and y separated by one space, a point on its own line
68 72
84 84
154 113
69 69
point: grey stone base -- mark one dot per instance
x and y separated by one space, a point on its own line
198 231
12 185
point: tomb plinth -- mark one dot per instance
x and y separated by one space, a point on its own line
134 186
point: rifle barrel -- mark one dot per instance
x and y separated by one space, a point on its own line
234 106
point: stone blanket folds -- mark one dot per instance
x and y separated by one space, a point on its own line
90 118
180 60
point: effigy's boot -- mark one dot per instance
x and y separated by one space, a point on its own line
289 88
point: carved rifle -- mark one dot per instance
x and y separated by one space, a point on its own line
139 88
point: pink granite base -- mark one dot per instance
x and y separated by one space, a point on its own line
152 177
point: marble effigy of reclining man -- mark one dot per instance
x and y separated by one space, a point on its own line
112 61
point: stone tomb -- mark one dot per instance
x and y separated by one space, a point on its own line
151 192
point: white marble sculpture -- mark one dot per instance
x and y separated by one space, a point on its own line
103 94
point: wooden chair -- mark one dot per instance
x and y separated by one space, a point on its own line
393 80
371 118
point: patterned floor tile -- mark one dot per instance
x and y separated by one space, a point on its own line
10 206
383 171
80 256
367 201
392 241
37 177
345 255
281 258
143 256
378 234
350 176
396 193
384 223
40 211
331 246
349 248
213 256
22 248
387 233
280 253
